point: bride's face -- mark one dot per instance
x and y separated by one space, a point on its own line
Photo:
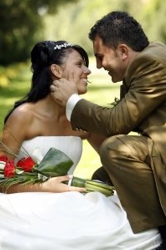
75 69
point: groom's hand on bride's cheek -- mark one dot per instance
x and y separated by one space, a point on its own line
67 85
57 93
61 90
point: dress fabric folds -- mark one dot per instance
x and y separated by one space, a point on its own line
70 220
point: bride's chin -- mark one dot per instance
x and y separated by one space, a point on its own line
82 91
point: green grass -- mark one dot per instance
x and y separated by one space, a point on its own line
13 86
100 91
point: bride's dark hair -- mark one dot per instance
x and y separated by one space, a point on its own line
43 55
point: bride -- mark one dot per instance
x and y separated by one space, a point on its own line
53 215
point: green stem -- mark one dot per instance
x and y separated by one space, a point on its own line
78 182
92 186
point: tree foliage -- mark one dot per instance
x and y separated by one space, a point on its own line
154 14
80 17
21 24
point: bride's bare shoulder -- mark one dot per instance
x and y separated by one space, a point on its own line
22 115
18 127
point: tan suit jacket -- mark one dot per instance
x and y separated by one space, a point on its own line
142 109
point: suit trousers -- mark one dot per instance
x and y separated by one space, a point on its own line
127 160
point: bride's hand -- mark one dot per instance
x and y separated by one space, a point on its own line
55 185
62 89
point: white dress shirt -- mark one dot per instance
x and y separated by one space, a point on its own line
72 101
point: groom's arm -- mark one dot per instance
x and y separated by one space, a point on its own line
87 116
83 115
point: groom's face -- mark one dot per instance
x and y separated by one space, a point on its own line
112 60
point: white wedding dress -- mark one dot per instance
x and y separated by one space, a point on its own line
67 221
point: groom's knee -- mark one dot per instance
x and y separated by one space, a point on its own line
108 149
112 149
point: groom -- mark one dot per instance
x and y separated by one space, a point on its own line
136 164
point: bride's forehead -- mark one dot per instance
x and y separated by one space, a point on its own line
73 55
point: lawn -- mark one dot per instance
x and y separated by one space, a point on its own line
100 91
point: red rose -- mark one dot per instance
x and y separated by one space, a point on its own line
26 164
9 169
3 158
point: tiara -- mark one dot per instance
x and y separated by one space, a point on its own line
63 45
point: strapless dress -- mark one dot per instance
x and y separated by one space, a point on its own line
70 145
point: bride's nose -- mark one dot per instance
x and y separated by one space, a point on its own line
87 71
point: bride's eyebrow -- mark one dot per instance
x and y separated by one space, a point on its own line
80 60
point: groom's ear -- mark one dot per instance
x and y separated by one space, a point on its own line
56 70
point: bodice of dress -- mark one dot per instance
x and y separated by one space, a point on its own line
70 145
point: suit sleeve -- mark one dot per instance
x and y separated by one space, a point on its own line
145 88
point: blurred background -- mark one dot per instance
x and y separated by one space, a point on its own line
23 23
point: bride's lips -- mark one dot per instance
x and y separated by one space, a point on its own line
85 80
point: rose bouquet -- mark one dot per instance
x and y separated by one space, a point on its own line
55 163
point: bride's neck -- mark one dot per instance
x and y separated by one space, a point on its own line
50 107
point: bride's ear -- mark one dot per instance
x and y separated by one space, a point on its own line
56 70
